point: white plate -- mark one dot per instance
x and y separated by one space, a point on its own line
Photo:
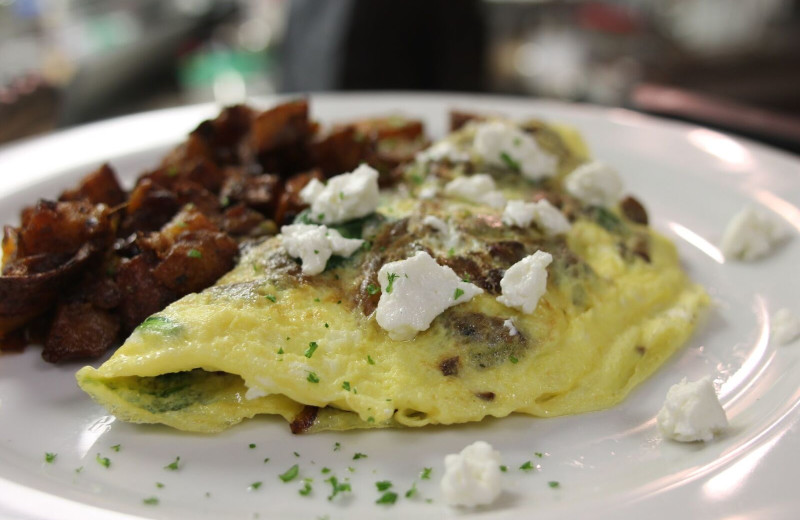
610 464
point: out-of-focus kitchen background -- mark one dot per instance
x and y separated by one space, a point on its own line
729 64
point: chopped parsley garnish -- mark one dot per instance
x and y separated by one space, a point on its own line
372 289
160 324
194 253
266 460
503 468
79 469
417 178
359 456
255 485
554 484
458 293
296 454
426 473
392 277
317 300
527 466
370 360
509 161
325 470
151 501
346 386
370 419
116 447
312 378
50 457
316 251
159 485
326 325
173 466
321 216
271 297
466 278
451 252
337 446
412 491
280 350
306 488
311 348
341 195
103 461
252 446
389 498
383 485
337 487
513 359
539 454
290 474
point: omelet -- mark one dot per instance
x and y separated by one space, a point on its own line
271 339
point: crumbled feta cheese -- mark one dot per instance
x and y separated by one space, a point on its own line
785 327
427 192
449 235
503 144
314 245
594 183
509 324
416 290
436 223
692 412
525 282
443 150
478 188
520 213
345 197
472 477
751 234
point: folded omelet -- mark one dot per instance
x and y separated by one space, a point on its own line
271 339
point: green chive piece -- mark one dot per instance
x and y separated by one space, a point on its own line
337 487
280 350
383 485
116 447
503 468
426 473
359 456
159 485
290 474
194 253
173 466
306 489
346 385
513 359
412 491
312 378
151 501
50 457
252 446
527 466
266 460
159 324
296 454
311 348
539 454
509 161
255 485
271 297
391 277
325 471
459 292
372 289
554 484
103 461
370 360
388 498
78 469
337 446
451 252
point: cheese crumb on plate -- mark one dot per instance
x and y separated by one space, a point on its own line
692 412
472 477
752 234
785 327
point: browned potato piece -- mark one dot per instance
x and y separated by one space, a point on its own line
196 260
149 207
260 192
80 331
279 138
63 227
141 293
99 187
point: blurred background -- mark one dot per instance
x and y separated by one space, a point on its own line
728 64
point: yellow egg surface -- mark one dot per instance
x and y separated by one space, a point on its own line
267 339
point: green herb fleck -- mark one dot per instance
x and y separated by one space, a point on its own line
296 454
370 419
337 487
346 385
306 488
383 485
503 468
266 460
159 324
116 447
225 202
554 484
317 300
50 457
539 454
458 293
290 474
252 446
151 501
194 253
321 217
451 252
337 446
316 251
173 466
325 471
509 161
311 348
370 360
351 469
359 456
327 326
103 461
426 473
312 378
271 297
255 485
79 469
527 466
372 289
412 491
513 360
389 498
341 195
417 179
159 485
392 277
280 350
517 141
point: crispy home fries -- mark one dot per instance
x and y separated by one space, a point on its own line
378 282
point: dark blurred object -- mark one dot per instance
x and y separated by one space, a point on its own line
763 125
28 106
385 44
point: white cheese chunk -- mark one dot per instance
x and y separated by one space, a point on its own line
785 327
525 282
752 234
416 290
692 412
503 144
594 183
521 214
345 197
472 477
478 188
509 324
314 245
427 192
443 150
